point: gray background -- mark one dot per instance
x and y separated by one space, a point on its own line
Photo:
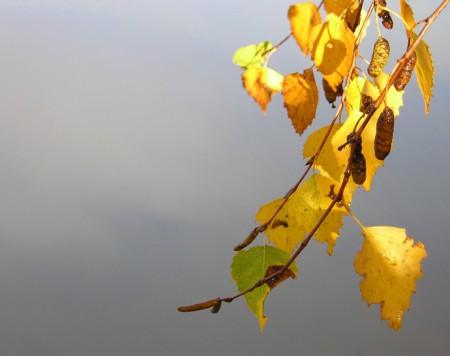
132 162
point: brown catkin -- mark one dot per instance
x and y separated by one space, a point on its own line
384 134
380 56
248 240
366 103
405 75
200 306
358 163
387 22
216 308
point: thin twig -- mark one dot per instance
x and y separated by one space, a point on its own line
274 48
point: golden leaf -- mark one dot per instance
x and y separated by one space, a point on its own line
354 91
424 66
353 15
301 98
394 98
407 14
284 232
261 83
360 27
310 201
357 87
336 7
390 264
424 71
301 213
326 162
303 17
368 138
331 45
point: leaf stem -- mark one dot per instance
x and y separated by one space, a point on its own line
397 15
349 211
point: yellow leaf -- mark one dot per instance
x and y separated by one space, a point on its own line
326 162
331 45
359 85
310 201
301 213
407 14
361 27
354 91
424 66
284 232
261 83
353 15
368 138
424 71
303 17
336 7
390 264
301 97
394 98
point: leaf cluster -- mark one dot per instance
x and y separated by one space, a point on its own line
342 155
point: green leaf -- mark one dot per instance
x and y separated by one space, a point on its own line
249 266
252 55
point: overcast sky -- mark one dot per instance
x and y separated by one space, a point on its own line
132 163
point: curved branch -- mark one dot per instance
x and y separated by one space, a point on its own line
337 197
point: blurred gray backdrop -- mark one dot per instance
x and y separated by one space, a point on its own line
132 161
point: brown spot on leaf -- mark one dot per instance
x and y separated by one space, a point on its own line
272 283
278 222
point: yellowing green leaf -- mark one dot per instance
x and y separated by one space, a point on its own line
252 55
261 83
424 71
272 79
303 17
301 97
250 266
336 7
390 264
407 13
331 45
